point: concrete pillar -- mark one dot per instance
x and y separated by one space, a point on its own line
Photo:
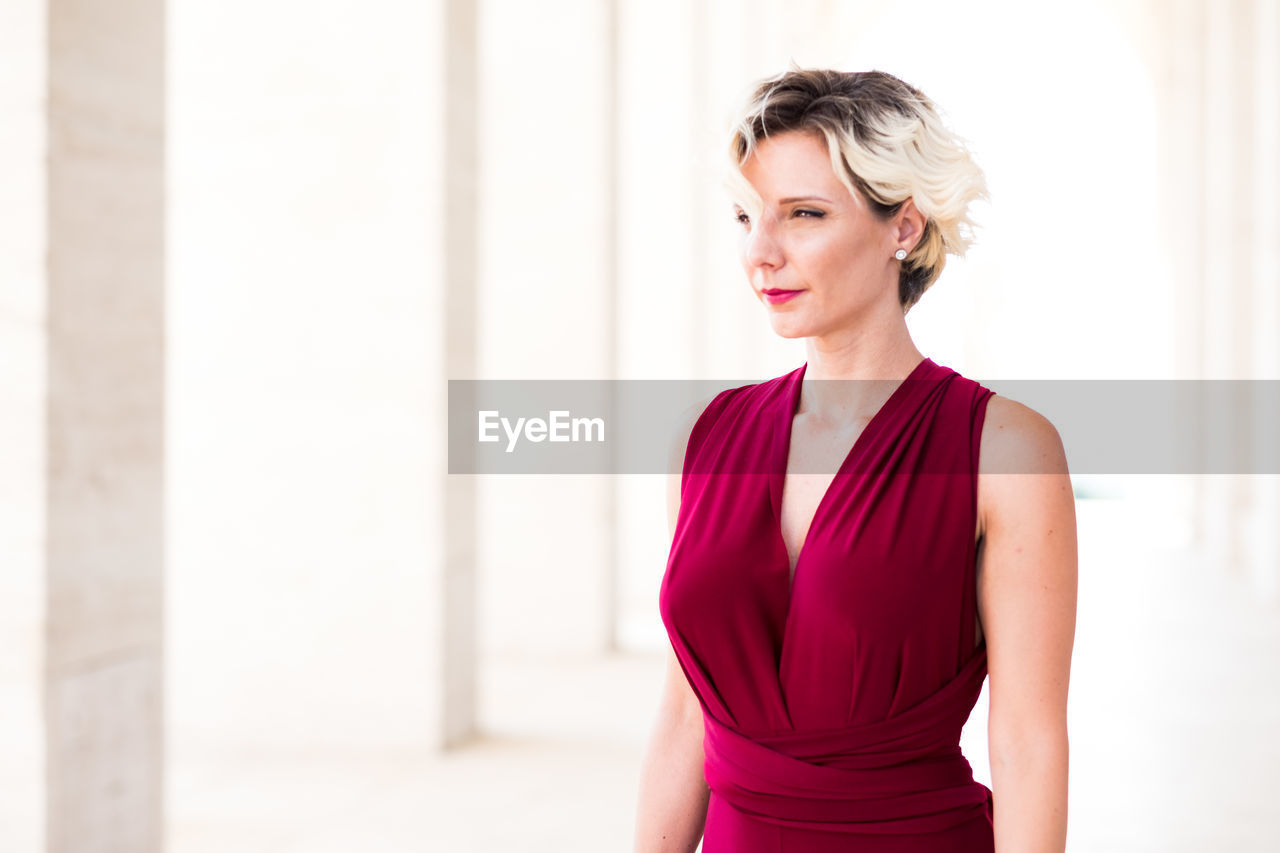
1216 76
104 420
1226 259
612 502
456 610
1180 85
1263 538
1239 298
82 399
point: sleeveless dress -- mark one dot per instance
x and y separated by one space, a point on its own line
833 703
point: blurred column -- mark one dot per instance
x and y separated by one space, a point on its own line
1217 79
1179 75
455 656
1264 300
1227 259
613 501
104 416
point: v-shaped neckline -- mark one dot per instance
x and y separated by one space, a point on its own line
782 459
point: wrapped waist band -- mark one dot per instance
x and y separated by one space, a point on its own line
901 775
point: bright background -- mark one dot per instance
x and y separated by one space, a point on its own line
321 640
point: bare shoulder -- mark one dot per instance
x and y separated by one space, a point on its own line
1016 441
1026 579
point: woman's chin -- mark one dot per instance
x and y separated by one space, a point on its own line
786 327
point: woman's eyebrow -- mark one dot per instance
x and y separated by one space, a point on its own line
803 198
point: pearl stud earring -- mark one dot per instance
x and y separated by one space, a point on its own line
901 254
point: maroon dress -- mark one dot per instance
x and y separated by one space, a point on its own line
833 703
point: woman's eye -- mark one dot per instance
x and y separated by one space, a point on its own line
742 219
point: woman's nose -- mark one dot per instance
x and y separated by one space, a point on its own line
761 246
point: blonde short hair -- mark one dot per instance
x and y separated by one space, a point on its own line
887 141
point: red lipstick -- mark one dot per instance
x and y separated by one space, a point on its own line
776 296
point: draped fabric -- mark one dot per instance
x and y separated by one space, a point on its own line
833 702
905 774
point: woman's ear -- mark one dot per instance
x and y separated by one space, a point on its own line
909 225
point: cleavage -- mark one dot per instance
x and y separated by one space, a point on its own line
803 493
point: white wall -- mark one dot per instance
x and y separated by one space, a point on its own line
22 390
306 329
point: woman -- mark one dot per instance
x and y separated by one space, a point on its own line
831 631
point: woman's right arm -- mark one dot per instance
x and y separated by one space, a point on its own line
672 809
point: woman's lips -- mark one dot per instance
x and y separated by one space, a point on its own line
775 296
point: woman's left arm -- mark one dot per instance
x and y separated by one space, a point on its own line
1027 584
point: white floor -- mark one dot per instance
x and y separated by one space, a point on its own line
558 772
1175 733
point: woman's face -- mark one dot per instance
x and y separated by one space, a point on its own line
815 237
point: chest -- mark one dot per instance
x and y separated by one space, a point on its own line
813 460
814 457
